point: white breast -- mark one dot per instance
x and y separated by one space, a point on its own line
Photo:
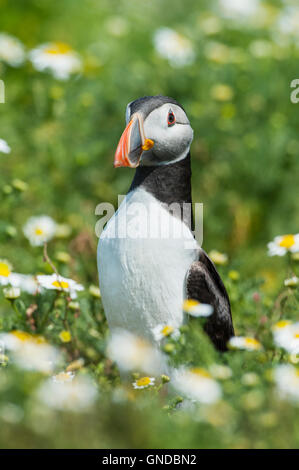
143 257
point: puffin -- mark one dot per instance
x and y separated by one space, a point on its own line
149 261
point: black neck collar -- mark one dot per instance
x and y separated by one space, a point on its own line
167 183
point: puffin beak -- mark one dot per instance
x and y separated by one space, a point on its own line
132 143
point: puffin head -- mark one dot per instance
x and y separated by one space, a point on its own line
157 132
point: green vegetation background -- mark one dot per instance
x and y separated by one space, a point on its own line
245 170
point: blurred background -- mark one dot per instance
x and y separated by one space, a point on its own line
228 62
232 74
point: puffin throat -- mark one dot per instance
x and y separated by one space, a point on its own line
167 183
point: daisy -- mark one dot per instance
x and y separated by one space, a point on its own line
12 293
144 382
54 282
244 342
4 147
133 353
218 258
292 281
77 395
196 384
11 50
7 277
25 282
197 309
287 382
39 230
57 57
174 47
286 336
94 291
5 272
163 331
288 21
283 244
238 9
31 352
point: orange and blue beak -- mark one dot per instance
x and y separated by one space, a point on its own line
132 143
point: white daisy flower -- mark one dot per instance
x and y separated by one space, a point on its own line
94 291
291 282
174 47
238 9
163 331
63 377
31 352
133 353
286 336
25 282
5 272
288 21
287 382
144 382
281 324
12 293
39 230
77 395
57 57
197 309
54 282
4 147
11 50
244 342
196 384
283 244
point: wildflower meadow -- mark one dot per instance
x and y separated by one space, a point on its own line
69 69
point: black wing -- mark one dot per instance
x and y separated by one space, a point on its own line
204 284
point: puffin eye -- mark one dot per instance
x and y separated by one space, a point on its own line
170 118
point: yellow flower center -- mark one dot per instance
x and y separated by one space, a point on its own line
287 241
60 284
143 382
200 371
252 342
58 48
4 269
24 337
282 324
38 231
296 335
167 330
189 304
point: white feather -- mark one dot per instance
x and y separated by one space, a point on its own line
142 277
